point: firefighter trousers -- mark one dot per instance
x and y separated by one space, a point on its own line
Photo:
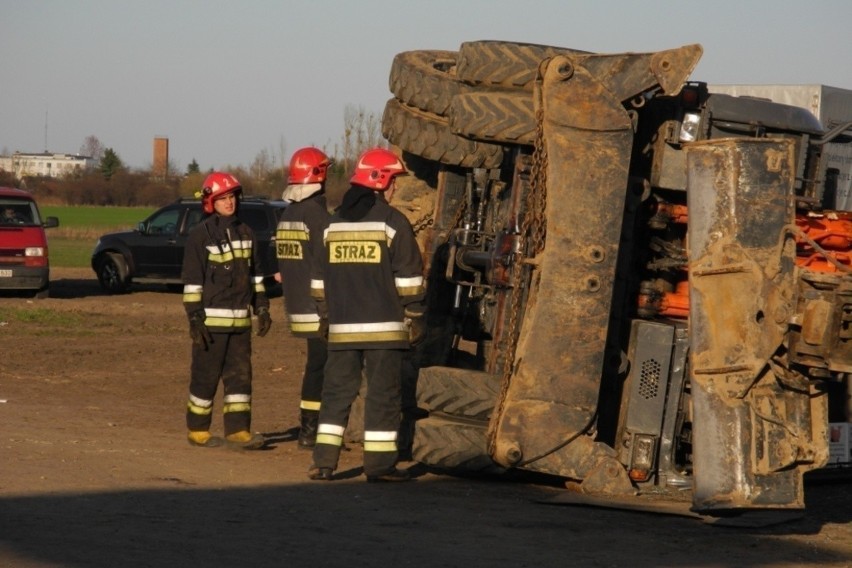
227 358
381 407
314 373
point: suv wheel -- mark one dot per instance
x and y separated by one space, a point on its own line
112 273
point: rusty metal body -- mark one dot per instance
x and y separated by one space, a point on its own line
559 260
758 424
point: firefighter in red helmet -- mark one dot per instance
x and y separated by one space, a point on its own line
371 279
298 240
220 285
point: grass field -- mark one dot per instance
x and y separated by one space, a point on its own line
72 242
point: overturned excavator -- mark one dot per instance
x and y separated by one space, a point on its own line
634 284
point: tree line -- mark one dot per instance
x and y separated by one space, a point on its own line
111 183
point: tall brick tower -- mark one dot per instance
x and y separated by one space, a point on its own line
160 168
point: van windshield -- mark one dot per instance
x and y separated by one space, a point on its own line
18 212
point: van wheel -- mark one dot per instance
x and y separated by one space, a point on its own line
112 273
43 293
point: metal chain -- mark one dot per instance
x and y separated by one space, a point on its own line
532 237
423 223
428 220
532 234
538 183
459 214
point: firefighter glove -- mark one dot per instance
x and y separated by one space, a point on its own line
416 324
198 331
264 321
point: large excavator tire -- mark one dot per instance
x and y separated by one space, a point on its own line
504 117
458 392
502 63
453 445
426 79
428 135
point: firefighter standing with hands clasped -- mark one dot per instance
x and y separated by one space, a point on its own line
370 279
220 284
298 240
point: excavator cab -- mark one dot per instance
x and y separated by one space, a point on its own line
632 282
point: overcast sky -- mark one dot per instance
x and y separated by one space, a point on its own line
224 81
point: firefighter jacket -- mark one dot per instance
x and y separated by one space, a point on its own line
370 272
298 240
219 274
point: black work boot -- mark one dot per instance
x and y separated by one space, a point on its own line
308 429
320 473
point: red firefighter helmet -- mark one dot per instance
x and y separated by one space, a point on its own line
376 169
216 185
308 165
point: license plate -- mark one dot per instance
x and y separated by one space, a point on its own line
5 273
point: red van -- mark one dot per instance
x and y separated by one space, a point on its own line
23 243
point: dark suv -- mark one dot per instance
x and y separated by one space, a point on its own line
154 251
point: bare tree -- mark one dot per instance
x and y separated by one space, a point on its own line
282 154
262 165
190 183
92 148
361 131
172 169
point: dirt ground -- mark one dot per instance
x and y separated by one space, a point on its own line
96 471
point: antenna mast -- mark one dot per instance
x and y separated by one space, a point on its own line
45 127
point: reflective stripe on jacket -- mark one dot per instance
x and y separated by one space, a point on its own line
371 269
219 274
298 239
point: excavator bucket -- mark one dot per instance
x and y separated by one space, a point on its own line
546 416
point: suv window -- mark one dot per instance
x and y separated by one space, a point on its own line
194 217
165 223
255 218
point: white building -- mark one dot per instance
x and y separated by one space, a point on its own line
46 164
